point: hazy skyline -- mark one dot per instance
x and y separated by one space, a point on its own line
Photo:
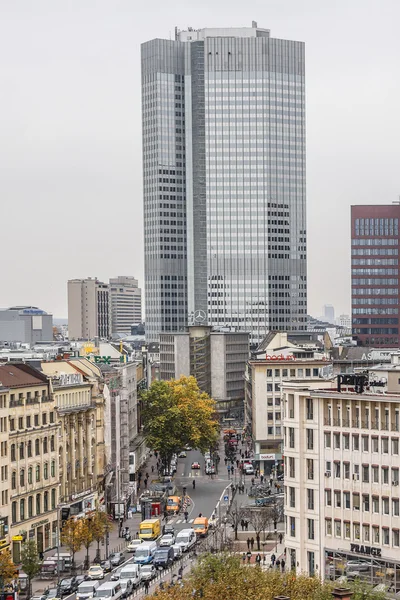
70 150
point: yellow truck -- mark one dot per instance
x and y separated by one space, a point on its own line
150 529
173 504
200 525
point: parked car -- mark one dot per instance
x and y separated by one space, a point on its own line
133 544
248 469
167 540
96 572
106 566
116 559
195 465
168 529
68 586
148 572
52 593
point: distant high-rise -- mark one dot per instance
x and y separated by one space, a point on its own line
88 309
126 304
329 313
375 274
224 181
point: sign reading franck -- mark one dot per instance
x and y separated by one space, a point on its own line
365 550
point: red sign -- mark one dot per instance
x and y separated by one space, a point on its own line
280 357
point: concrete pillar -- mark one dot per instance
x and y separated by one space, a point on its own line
342 594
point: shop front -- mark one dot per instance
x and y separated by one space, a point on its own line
43 532
366 563
81 505
4 537
269 462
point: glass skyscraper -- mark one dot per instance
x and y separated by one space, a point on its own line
224 181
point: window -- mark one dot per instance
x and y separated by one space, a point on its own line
338 499
310 499
365 443
365 473
37 446
30 472
46 501
46 470
20 422
292 523
45 445
310 439
385 536
53 468
291 466
336 440
14 512
53 498
291 437
366 502
310 529
375 504
37 469
29 448
12 424
38 504
327 437
328 497
52 417
346 499
356 501
375 534
310 468
13 455
310 409
385 445
346 441
338 529
395 507
311 559
366 533
356 531
44 419
385 506
385 475
36 420
30 507
328 526
346 470
375 444
52 444
395 446
22 478
14 480
22 510
395 476
395 537
347 530
292 497
336 466
356 442
375 474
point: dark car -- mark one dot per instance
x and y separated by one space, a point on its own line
80 579
116 559
68 586
168 529
52 593
106 566
163 557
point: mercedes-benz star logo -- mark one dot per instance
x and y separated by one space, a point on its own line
199 315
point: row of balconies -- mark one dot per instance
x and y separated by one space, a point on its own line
358 424
35 400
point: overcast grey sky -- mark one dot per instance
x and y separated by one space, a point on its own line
70 142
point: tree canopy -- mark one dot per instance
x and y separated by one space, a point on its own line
223 577
7 569
177 414
30 561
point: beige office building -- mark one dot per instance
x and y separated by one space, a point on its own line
126 304
89 313
342 493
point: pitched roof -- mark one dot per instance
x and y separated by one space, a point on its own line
14 375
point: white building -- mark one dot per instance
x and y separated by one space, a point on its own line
88 309
342 494
126 304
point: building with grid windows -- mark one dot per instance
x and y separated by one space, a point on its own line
224 181
375 274
341 449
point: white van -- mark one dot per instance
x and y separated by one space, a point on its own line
145 553
111 590
186 539
87 590
131 572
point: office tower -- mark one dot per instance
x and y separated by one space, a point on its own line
88 309
329 313
126 304
224 181
375 274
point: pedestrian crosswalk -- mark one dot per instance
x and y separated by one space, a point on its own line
183 521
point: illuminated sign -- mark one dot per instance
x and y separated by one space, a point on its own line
267 456
280 357
32 311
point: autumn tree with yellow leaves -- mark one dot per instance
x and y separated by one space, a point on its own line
177 414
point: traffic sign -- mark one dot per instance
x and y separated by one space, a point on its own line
226 498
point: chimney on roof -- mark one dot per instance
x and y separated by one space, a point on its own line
342 594
254 26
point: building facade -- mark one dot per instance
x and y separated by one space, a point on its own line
224 181
126 305
216 359
342 507
89 313
29 464
375 274
26 324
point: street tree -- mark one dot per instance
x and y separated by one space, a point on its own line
7 569
177 414
30 562
261 519
100 526
235 516
87 537
71 537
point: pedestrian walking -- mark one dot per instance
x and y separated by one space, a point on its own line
273 559
252 481
232 469
280 538
180 572
146 586
278 563
152 468
145 483
248 556
225 460
244 557
237 463
242 524
247 525
262 478
256 472
252 542
248 543
186 514
271 481
283 564
258 560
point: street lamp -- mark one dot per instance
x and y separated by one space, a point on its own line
276 539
